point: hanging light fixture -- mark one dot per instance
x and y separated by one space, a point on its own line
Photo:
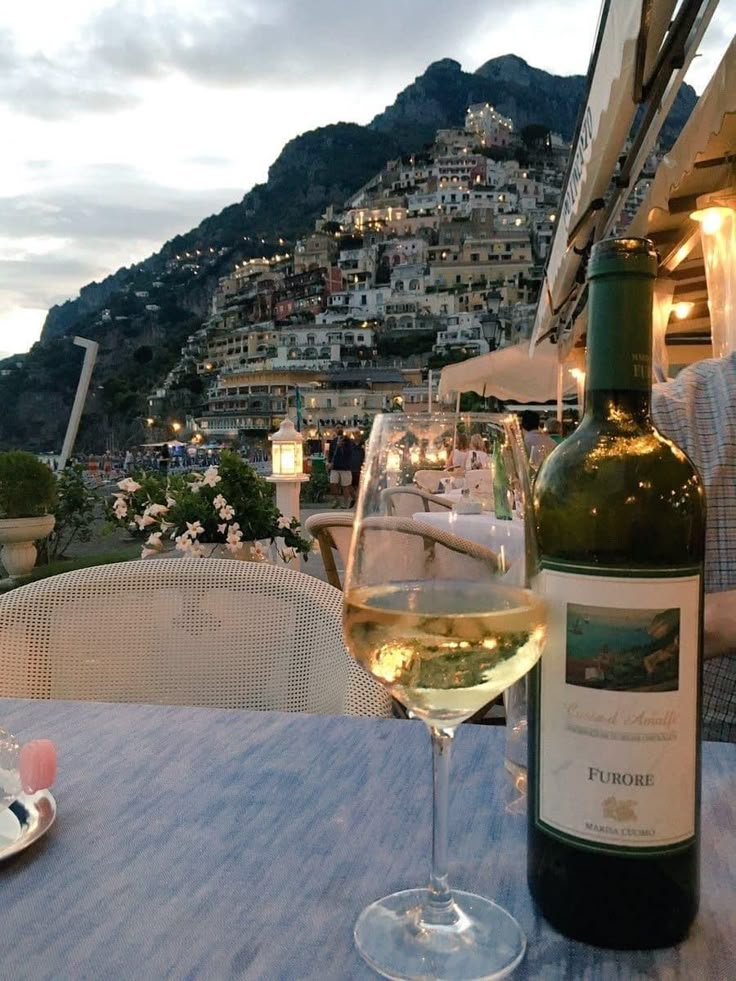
716 215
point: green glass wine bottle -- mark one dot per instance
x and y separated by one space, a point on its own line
614 708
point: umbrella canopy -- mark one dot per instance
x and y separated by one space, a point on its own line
640 56
509 374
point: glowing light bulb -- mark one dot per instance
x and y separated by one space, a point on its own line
683 309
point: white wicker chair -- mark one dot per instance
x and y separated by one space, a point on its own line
210 632
333 532
403 501
429 480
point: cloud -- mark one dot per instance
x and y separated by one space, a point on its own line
231 43
54 242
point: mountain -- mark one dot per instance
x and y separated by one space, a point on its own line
439 97
318 168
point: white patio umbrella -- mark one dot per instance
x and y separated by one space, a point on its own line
510 375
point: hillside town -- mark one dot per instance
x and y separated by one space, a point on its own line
437 258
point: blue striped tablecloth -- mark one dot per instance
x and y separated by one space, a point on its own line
193 843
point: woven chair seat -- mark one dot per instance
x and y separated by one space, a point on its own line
209 632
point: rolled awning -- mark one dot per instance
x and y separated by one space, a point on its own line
639 58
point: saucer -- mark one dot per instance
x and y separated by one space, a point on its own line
24 821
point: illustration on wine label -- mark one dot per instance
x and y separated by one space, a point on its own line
623 650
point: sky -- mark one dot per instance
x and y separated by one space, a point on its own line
125 122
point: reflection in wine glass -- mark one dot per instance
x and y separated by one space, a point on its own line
537 455
440 622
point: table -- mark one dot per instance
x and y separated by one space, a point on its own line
205 843
483 529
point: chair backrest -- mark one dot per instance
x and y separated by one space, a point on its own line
429 480
210 632
333 532
404 501
404 549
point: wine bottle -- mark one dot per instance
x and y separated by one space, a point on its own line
500 483
614 713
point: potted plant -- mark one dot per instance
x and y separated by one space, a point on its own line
27 494
228 510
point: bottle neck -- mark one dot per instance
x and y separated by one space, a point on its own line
618 384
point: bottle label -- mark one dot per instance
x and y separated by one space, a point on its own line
617 708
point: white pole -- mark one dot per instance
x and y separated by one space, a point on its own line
90 356
560 370
429 391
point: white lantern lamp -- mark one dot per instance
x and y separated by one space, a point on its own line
287 462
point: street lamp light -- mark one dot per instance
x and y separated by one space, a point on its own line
287 468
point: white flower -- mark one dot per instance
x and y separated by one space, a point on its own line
143 521
219 502
211 477
129 485
284 522
234 546
222 528
196 486
165 525
194 528
156 509
184 543
196 551
171 501
145 552
234 535
154 539
227 513
288 554
257 552
120 508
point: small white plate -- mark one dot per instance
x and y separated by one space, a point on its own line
28 818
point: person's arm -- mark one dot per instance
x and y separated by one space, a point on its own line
719 623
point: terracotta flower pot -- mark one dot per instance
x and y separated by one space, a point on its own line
18 537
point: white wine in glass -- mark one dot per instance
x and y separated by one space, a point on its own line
443 623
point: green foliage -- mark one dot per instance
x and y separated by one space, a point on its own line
173 503
316 489
27 486
389 346
76 508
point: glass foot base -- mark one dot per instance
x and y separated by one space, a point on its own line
483 942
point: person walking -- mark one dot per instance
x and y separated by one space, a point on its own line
339 463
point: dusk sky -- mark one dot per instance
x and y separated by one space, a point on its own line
128 121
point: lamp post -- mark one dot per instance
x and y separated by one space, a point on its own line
288 468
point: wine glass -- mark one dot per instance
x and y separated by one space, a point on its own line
444 625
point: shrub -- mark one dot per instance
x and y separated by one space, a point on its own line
27 486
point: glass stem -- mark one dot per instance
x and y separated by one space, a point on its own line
440 909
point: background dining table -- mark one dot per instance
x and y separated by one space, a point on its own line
198 843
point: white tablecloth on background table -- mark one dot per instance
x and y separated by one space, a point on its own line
484 529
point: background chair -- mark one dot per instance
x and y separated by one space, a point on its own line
404 501
429 480
210 632
333 532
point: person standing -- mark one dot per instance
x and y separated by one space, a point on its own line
356 465
339 463
533 436
164 457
